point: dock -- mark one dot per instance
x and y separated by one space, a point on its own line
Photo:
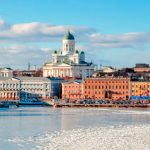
103 105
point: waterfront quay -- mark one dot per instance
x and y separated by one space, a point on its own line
58 103
103 103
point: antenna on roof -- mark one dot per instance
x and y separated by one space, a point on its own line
28 66
101 66
96 67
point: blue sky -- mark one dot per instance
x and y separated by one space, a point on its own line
112 32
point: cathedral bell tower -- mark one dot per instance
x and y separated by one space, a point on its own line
68 44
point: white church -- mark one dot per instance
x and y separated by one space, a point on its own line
69 62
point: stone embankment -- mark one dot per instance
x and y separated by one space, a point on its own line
103 105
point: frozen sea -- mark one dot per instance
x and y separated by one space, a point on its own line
44 128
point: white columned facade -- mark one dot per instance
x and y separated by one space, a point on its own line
68 62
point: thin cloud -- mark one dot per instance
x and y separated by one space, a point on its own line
126 40
43 32
38 32
17 47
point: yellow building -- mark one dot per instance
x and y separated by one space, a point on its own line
140 88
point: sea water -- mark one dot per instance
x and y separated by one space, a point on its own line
44 128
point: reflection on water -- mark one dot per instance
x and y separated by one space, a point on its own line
22 128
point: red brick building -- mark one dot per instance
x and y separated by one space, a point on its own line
72 90
142 68
112 88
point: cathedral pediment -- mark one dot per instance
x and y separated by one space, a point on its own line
64 65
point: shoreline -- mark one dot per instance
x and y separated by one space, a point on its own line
103 105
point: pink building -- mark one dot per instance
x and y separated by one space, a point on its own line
72 90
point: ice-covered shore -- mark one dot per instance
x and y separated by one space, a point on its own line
93 138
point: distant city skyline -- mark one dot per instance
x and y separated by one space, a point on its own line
112 32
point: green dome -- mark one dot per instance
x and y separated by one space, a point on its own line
77 52
55 52
68 36
82 52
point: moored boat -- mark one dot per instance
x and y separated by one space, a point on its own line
4 105
32 102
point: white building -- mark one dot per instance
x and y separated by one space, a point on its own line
9 88
108 69
39 87
34 88
68 62
6 72
29 88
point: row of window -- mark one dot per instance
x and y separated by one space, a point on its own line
32 89
9 85
75 95
29 94
141 86
102 92
101 97
33 85
107 87
71 86
138 91
73 91
23 85
135 94
106 82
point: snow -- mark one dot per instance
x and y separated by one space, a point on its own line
92 138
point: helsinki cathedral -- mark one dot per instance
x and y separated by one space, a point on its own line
68 62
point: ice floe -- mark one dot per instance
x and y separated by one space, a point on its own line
93 138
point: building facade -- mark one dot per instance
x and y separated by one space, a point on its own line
34 88
72 90
140 89
111 88
6 72
28 73
142 68
29 88
69 62
9 88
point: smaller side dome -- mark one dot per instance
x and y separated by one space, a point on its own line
82 53
76 51
55 52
